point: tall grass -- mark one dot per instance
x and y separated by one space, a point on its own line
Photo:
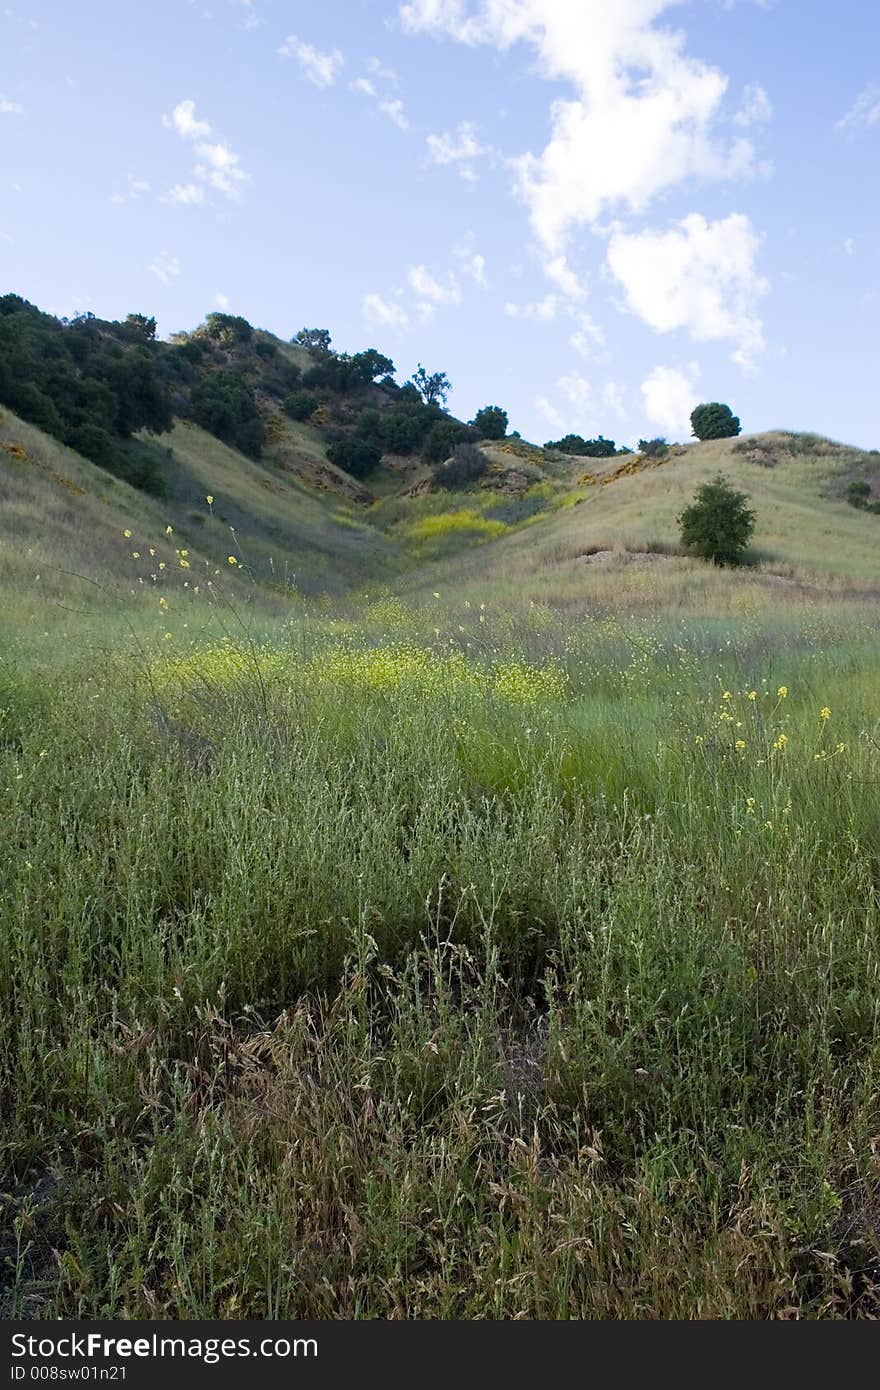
445 964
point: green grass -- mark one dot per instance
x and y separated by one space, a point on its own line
459 941
470 972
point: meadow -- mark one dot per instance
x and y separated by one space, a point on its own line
446 953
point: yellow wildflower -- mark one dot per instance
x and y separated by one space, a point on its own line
232 560
169 530
825 713
127 534
210 500
753 694
782 692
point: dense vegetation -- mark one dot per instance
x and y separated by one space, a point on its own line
718 524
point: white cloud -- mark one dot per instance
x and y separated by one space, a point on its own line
550 413
382 313
588 338
864 112
643 115
543 310
558 270
183 120
427 287
460 149
699 276
670 395
390 106
184 193
472 264
219 167
322 69
577 389
221 300
135 191
165 268
10 108
756 107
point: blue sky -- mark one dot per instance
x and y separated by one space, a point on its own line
593 214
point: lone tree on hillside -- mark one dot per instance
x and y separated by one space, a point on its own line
490 422
718 524
314 340
715 421
433 388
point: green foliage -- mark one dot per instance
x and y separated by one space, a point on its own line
466 466
714 421
653 448
225 405
86 382
858 493
600 448
355 456
442 438
718 524
301 405
404 426
433 387
315 340
227 329
490 422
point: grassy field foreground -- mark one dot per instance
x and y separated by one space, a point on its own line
476 970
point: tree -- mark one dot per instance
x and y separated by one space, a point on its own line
314 340
715 421
718 524
653 448
433 388
225 405
403 427
356 456
139 326
858 493
490 422
228 329
300 405
442 439
600 448
371 364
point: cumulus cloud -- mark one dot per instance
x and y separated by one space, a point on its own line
10 108
321 69
472 263
756 107
643 116
218 167
383 313
864 112
459 148
670 395
697 275
165 268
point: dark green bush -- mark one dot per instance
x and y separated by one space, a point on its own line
718 524
714 421
490 422
355 456
301 405
465 467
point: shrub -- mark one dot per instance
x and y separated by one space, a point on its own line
718 524
600 448
714 421
355 456
465 467
858 493
403 427
442 439
653 448
225 405
490 422
301 405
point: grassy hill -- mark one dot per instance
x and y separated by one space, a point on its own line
425 901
